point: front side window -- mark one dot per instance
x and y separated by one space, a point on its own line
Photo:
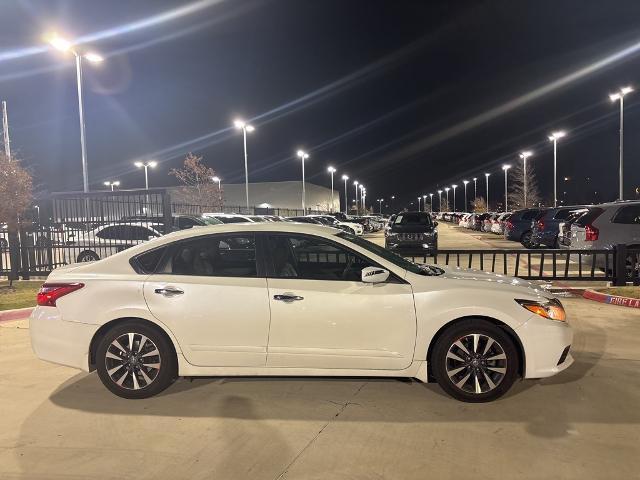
313 258
213 256
628 215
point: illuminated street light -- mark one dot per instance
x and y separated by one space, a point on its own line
112 184
346 200
440 201
363 197
615 97
419 198
355 184
331 170
64 45
454 197
486 176
246 128
446 189
431 202
465 194
554 137
218 180
475 187
524 156
146 165
380 200
506 169
302 155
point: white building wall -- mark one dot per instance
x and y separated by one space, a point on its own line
281 195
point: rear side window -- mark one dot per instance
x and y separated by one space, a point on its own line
589 217
148 262
628 215
562 214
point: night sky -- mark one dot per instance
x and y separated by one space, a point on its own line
405 96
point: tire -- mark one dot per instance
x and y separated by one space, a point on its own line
4 244
145 374
87 256
525 239
455 370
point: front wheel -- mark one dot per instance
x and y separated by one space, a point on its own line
475 361
135 361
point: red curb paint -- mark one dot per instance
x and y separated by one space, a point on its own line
611 299
17 314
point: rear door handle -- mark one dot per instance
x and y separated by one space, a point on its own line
169 291
288 297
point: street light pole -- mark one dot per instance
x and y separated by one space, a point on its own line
431 202
440 201
303 156
245 127
554 138
505 168
614 97
346 200
112 184
331 170
146 165
419 203
454 197
466 205
355 184
524 156
363 198
380 200
475 187
424 203
486 176
218 180
446 189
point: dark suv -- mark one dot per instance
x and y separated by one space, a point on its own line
518 227
545 226
412 233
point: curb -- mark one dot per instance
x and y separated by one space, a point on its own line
16 314
611 299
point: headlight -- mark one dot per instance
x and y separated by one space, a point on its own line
552 309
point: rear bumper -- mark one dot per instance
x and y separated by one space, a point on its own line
544 342
58 341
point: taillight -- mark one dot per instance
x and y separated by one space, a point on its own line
509 225
50 292
591 233
540 224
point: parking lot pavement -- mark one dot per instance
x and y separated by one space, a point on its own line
583 423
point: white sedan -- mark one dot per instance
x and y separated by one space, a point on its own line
293 299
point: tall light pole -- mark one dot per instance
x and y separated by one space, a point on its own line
475 187
346 200
302 155
431 202
419 203
380 200
218 180
524 156
146 166
331 170
454 197
465 195
440 201
506 169
63 45
393 197
486 176
246 128
446 189
355 184
112 184
363 198
424 203
615 97
554 138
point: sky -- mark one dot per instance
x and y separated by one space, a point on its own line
405 96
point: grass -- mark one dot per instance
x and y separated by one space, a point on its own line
22 294
630 292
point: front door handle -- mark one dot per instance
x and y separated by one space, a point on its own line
288 297
169 291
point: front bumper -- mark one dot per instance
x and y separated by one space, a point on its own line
412 248
544 342
58 341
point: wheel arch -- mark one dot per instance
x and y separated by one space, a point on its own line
102 331
506 328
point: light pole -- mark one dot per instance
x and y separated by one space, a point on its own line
431 202
355 184
63 45
331 170
446 189
475 187
440 201
424 203
486 176
363 198
524 156
465 195
554 138
615 97
246 128
302 155
419 198
218 180
380 200
506 169
346 200
112 184
454 197
146 166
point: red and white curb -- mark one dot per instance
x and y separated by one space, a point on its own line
16 314
612 299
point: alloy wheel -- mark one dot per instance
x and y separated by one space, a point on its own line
132 361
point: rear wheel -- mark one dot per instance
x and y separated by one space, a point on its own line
475 361
88 256
525 239
135 361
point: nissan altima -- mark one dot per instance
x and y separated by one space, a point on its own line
294 299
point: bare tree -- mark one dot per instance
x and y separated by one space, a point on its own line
479 205
516 187
199 186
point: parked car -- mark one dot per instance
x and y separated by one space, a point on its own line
498 226
488 221
180 221
330 221
290 299
518 227
564 228
412 233
545 227
234 218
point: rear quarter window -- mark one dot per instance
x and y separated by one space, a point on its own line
589 217
148 261
629 215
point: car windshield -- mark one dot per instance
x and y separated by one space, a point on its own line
391 256
413 218
209 220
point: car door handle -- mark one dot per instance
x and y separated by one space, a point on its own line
168 291
288 297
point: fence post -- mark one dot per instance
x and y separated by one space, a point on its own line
620 272
166 212
14 254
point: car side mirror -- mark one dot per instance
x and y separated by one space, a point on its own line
374 275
